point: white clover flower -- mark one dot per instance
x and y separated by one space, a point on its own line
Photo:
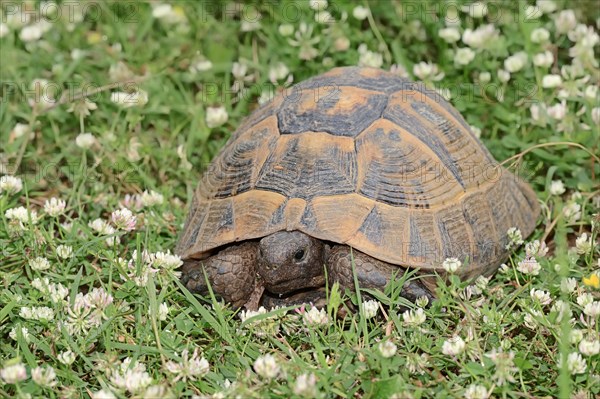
22 215
551 81
464 56
54 206
252 23
315 317
239 70
504 268
529 265
476 131
85 140
414 317
449 35
572 212
481 37
190 368
592 309
504 366
370 308
563 310
371 59
540 296
544 60
200 64
286 30
67 357
342 43
427 71
596 115
98 298
475 391
57 292
387 349
576 363
24 332
103 394
558 111
422 301
515 62
4 29
584 245
305 385
40 263
540 35
41 284
453 346
589 347
304 40
530 318
536 248
564 21
318 5
20 130
10 184
575 336
160 391
482 282
82 107
165 260
539 114
31 33
44 376
163 311
485 77
324 17
417 364
503 75
64 251
568 285
547 6
168 14
266 366
477 9
129 100
585 299
101 227
557 187
278 72
532 12
451 265
246 314
131 380
41 313
591 92
216 116
13 373
124 219
361 13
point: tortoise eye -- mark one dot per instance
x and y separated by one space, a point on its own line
299 255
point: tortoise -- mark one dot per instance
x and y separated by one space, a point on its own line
356 167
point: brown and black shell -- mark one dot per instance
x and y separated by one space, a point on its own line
362 157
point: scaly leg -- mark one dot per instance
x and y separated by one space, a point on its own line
370 272
231 272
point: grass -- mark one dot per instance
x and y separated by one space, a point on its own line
102 313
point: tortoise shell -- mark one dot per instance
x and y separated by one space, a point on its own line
362 157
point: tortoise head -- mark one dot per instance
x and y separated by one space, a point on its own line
290 261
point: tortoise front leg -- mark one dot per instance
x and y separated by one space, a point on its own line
231 273
370 272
